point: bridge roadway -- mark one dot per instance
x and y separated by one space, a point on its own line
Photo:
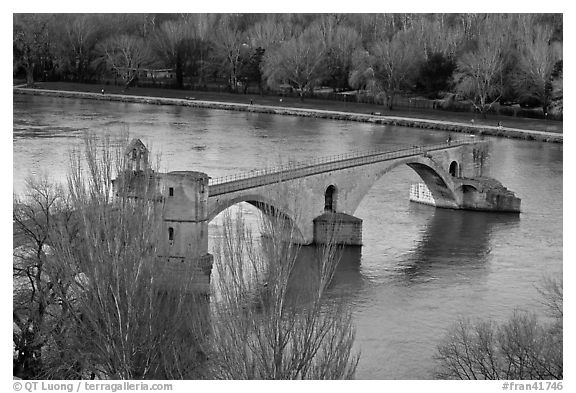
291 171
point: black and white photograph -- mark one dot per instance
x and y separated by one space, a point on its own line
286 196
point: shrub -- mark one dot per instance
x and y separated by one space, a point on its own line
521 348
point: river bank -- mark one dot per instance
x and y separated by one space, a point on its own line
374 117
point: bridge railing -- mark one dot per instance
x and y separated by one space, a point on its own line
298 169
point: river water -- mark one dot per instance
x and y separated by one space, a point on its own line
419 270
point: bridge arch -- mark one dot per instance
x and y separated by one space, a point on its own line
437 179
267 206
438 182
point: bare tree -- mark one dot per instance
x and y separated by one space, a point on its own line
36 312
552 297
108 318
340 42
89 307
124 54
171 44
388 66
197 33
374 27
269 33
521 348
125 326
79 35
299 62
227 42
31 42
478 75
537 57
436 36
557 99
264 329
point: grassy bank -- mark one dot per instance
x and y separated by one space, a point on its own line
328 105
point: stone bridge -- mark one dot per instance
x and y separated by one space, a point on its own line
315 195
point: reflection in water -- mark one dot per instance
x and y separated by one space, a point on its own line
455 239
347 278
454 243
304 280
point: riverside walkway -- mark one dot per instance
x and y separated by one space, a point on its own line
445 125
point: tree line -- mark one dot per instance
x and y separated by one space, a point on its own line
483 58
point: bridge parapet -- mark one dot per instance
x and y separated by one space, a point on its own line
290 171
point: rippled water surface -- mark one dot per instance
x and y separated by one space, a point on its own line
419 268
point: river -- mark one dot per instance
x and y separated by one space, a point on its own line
419 270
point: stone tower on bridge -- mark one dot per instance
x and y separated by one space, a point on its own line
182 198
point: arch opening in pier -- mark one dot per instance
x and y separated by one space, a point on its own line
330 199
454 169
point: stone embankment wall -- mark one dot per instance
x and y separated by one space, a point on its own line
325 114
